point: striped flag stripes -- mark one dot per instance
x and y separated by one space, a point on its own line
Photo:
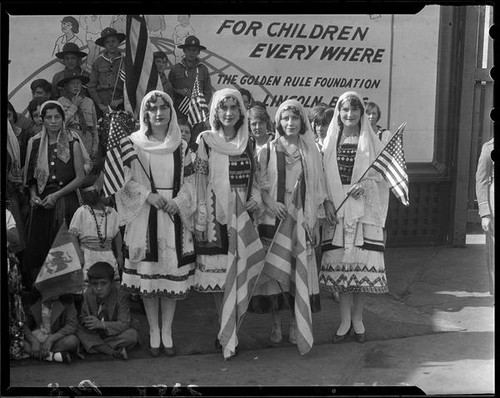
391 164
140 70
286 262
184 105
120 152
195 106
245 260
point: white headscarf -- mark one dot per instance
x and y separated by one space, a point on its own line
173 137
41 172
221 150
311 159
369 146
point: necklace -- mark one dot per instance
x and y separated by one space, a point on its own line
102 239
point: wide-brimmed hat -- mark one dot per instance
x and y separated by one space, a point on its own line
192 41
84 79
109 32
70 48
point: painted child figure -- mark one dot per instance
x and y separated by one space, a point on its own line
105 319
50 329
96 227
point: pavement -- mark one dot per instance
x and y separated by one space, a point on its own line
434 330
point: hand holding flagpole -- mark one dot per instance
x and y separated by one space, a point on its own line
391 164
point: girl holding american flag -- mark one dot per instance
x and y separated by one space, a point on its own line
353 252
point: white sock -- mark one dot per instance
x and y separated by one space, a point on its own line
151 307
167 317
58 357
53 356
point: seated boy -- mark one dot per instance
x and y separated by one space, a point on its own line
49 329
105 319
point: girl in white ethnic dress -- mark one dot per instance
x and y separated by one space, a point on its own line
353 252
225 168
157 205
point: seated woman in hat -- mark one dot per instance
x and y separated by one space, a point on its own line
71 57
80 112
105 86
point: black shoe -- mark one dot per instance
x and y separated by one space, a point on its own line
169 351
360 337
66 357
154 351
337 338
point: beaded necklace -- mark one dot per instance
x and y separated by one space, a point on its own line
102 239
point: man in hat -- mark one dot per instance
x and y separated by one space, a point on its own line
183 76
80 112
71 56
106 86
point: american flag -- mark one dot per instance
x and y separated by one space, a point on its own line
141 75
286 262
391 164
119 152
245 261
195 106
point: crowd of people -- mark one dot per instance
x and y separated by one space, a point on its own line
166 231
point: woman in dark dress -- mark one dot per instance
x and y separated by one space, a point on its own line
52 173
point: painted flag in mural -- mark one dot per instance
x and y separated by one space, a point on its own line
245 260
392 165
141 75
119 152
61 273
195 106
286 262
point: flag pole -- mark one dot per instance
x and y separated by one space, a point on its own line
400 128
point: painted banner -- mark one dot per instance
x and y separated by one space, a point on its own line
311 58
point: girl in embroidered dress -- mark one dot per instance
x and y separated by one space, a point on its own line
282 162
96 227
156 205
54 169
225 167
353 252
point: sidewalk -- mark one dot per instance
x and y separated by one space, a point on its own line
433 330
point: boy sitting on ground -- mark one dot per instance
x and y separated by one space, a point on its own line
105 319
49 329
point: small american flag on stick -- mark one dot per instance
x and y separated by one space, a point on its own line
120 152
392 165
